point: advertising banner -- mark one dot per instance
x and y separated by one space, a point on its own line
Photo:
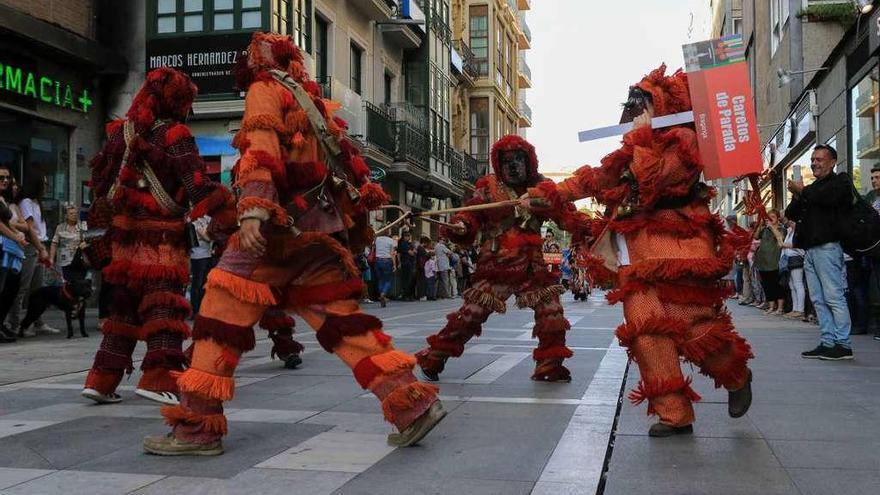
723 108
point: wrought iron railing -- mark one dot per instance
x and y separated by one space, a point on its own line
456 165
411 144
468 58
380 128
471 170
405 111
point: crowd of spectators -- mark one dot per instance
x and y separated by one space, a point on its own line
796 267
397 267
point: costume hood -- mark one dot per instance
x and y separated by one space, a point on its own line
514 142
669 94
166 94
268 51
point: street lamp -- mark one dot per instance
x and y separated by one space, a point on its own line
784 75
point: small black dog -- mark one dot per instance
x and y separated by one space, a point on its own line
70 298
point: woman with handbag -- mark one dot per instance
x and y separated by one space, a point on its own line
796 273
767 262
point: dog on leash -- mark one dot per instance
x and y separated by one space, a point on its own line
71 297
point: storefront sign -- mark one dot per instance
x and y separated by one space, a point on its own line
208 60
29 86
724 113
377 174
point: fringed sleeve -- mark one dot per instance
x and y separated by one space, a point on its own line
472 220
261 171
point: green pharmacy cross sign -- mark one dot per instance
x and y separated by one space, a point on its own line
46 89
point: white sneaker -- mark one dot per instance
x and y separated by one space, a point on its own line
30 332
167 398
44 328
111 398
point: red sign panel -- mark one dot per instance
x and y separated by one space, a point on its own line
724 116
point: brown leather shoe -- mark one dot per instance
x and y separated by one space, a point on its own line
739 401
169 446
431 362
661 430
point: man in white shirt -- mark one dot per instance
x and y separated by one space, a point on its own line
443 267
385 247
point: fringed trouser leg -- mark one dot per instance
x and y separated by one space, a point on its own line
481 300
550 329
121 332
163 310
281 329
318 284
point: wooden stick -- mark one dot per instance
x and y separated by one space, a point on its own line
391 225
487 206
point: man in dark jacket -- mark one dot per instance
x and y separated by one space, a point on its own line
817 209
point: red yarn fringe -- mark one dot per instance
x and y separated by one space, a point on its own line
647 390
300 296
336 327
674 328
180 415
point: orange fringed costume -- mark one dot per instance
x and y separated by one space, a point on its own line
310 272
511 262
144 254
673 255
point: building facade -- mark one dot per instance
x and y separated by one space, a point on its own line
813 68
387 62
492 37
57 71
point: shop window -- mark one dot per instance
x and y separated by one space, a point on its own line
865 145
803 163
36 149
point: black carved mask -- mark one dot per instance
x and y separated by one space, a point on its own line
636 104
514 167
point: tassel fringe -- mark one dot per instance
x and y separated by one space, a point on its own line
242 288
210 423
406 397
206 384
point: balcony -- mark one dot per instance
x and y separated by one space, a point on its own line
411 145
375 10
525 73
456 166
525 114
380 130
467 72
473 169
525 34
525 4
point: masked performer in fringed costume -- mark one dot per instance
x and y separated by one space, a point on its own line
146 180
671 252
290 169
511 262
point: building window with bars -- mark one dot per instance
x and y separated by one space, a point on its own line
356 68
479 38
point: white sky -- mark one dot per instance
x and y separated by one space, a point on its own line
585 54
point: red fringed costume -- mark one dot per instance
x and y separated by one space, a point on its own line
308 270
145 256
672 254
511 262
